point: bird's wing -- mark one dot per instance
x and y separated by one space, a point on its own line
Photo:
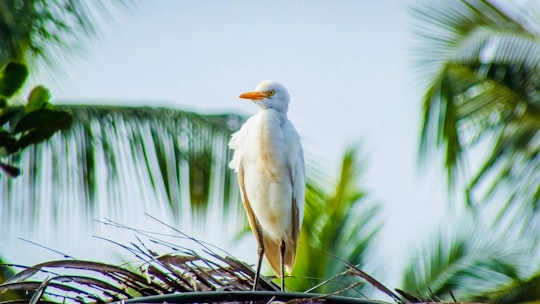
299 186
236 144
233 145
298 178
247 206
271 248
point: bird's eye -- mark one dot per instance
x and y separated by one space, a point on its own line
271 93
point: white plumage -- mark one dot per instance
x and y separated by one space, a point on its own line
269 161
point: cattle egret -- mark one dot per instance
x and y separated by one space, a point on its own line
269 161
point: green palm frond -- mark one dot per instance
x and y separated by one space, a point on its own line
519 291
40 29
339 224
471 263
484 71
115 157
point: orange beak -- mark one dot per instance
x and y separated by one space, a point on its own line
253 95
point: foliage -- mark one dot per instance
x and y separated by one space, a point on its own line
44 28
124 158
31 124
519 291
483 66
471 263
5 273
482 62
190 273
339 225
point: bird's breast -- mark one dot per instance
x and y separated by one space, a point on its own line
272 148
265 154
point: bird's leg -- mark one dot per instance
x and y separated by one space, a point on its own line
282 255
260 252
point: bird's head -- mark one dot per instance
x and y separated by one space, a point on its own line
269 94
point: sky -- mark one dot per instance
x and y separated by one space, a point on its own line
347 66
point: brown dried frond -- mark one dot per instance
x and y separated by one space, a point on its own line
194 273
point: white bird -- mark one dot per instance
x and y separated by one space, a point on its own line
269 161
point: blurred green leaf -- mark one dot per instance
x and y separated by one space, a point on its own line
340 223
39 97
10 170
3 102
481 64
110 147
470 261
9 114
8 142
46 120
35 136
12 78
32 30
7 272
519 291
199 176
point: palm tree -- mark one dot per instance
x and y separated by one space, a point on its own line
468 262
119 158
483 66
42 30
339 226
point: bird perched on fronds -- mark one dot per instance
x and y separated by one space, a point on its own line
269 161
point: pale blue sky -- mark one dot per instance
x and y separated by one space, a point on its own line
346 65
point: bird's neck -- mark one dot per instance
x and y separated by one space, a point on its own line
281 115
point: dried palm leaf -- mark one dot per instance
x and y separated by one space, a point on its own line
189 273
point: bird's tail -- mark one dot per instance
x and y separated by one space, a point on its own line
272 254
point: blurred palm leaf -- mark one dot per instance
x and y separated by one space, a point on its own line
120 158
472 264
519 291
483 66
41 28
339 224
